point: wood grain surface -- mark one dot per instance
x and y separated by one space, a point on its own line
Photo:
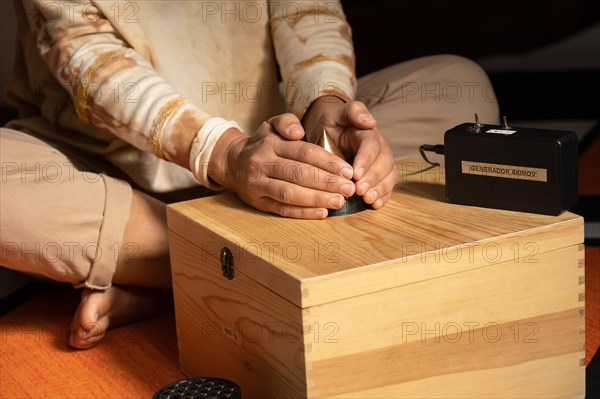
418 227
389 303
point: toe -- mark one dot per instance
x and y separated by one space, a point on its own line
85 336
90 321
114 306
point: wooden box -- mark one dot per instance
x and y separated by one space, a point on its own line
419 299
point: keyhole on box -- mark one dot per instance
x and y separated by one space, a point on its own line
227 263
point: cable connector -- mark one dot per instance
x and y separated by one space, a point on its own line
437 148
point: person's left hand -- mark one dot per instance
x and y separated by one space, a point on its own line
355 131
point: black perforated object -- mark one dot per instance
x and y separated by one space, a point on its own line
200 388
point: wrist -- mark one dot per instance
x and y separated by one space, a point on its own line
323 102
204 150
225 155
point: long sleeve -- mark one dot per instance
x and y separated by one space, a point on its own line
313 46
111 85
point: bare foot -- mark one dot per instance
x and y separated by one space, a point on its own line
100 310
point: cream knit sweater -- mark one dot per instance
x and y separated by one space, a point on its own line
125 80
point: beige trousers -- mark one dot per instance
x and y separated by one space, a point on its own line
61 217
417 101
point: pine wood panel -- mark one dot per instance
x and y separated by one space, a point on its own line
235 329
497 294
526 380
548 336
325 256
493 317
348 287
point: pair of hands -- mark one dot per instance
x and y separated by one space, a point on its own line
275 171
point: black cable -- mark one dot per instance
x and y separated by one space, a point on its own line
437 148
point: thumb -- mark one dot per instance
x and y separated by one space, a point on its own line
288 126
358 115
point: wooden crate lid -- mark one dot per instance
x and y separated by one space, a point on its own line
417 236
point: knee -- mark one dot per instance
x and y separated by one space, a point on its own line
36 237
28 245
460 68
465 82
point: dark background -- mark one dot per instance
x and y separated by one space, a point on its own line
388 32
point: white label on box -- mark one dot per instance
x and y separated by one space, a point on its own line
505 171
501 131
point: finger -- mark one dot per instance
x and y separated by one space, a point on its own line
383 188
369 145
291 211
292 194
288 126
381 201
309 176
356 114
314 155
379 170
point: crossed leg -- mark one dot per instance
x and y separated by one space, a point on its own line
62 221
142 280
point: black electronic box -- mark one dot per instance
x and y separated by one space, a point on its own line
514 168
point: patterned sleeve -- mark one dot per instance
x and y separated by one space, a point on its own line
313 45
95 64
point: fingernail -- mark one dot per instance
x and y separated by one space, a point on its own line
363 188
296 129
367 118
360 172
321 214
347 172
378 204
336 202
347 189
372 196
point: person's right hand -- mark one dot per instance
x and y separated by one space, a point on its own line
274 171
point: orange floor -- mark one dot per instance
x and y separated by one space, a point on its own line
592 302
36 361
